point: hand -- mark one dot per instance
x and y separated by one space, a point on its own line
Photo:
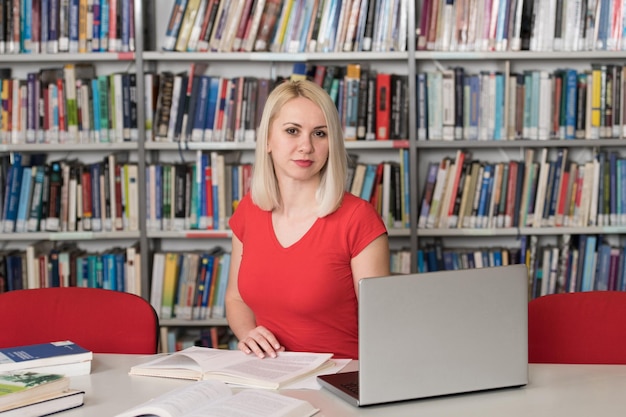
260 341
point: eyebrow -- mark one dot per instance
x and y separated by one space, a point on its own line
299 125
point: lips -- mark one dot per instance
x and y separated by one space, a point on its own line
303 163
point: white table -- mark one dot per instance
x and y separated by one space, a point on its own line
554 390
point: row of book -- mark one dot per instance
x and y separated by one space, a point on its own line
75 26
385 185
435 257
534 104
68 195
287 26
189 285
217 337
202 108
503 25
46 264
200 195
68 104
194 107
576 263
579 263
466 193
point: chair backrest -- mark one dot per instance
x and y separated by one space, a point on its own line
583 328
103 321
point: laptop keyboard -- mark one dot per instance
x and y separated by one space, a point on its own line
352 387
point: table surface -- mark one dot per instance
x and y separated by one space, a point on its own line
553 390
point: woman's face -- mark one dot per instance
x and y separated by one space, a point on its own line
298 140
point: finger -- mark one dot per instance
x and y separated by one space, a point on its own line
271 339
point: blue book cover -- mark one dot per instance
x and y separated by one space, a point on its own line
158 181
73 26
621 272
92 279
212 260
96 209
104 25
43 355
95 98
96 26
212 108
474 107
548 193
126 16
485 196
556 188
200 115
26 32
109 280
422 105
205 179
421 263
613 216
13 197
448 262
568 130
497 257
120 271
528 94
25 199
599 220
621 193
218 308
14 272
499 132
52 46
601 282
368 182
589 255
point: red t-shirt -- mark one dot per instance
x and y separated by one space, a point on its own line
305 293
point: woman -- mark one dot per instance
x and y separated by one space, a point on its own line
301 243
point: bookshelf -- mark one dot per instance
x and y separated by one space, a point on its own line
258 64
151 19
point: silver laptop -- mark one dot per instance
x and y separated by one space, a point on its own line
438 333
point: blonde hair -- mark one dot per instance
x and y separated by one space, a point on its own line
264 184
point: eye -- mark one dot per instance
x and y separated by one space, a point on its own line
319 134
291 130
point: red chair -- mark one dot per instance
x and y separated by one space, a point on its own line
578 328
103 321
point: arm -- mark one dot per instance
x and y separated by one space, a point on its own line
252 338
373 261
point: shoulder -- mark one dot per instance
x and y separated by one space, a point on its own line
352 203
246 210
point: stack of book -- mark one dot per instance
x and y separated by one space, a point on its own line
64 358
36 394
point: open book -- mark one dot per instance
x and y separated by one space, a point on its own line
216 399
235 367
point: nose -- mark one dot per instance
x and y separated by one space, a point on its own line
306 144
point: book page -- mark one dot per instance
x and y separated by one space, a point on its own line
257 403
181 401
271 372
234 366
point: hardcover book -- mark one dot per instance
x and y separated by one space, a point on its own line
214 397
235 367
63 357
33 393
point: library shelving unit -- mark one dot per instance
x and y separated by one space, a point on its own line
258 64
21 64
490 151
